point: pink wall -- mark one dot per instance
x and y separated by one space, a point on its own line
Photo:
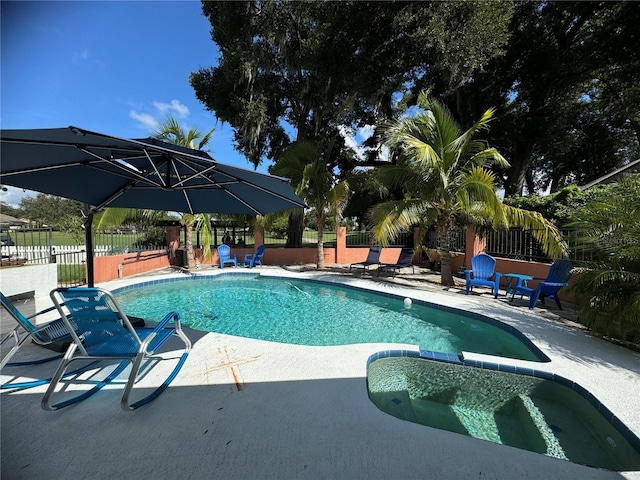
108 268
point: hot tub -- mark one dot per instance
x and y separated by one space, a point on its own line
532 410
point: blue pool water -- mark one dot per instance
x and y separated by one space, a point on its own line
315 313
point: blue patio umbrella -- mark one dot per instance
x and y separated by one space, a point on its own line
105 171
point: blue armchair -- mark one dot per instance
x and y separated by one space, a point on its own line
252 259
224 253
558 276
482 270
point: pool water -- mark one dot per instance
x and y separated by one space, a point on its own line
315 313
522 411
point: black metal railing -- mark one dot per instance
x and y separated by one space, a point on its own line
521 244
72 269
457 240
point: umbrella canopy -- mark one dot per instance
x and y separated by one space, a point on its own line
105 171
102 170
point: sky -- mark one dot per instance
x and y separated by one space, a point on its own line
113 67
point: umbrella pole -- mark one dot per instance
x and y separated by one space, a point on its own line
88 241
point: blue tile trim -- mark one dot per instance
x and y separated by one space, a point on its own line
428 355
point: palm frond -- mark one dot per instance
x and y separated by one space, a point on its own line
391 218
545 232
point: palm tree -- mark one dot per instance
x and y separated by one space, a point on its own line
171 131
314 183
442 172
608 283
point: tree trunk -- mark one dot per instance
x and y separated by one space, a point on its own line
295 226
188 240
320 242
446 276
519 165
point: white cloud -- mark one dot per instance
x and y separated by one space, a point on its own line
13 195
148 122
350 140
365 132
175 106
355 140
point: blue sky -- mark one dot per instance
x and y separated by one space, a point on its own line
110 67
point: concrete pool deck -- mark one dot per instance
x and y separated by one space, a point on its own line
244 409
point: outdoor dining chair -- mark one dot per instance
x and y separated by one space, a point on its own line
101 330
483 273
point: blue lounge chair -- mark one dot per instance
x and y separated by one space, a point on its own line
53 335
482 271
404 260
558 277
224 253
252 259
373 258
102 331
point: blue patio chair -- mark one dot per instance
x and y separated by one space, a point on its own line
252 259
53 335
405 259
558 277
102 331
224 253
373 258
482 271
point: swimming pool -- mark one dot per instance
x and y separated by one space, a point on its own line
307 312
535 411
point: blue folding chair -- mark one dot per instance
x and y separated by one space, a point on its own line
252 259
53 335
558 277
224 254
482 271
102 331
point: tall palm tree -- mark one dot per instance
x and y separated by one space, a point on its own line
442 172
314 183
171 131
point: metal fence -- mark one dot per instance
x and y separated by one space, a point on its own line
308 239
71 268
29 245
367 239
520 244
457 240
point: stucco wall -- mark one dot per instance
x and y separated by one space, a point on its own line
39 279
111 267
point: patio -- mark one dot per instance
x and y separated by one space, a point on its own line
243 408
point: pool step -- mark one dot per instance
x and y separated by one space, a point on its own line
479 423
554 449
